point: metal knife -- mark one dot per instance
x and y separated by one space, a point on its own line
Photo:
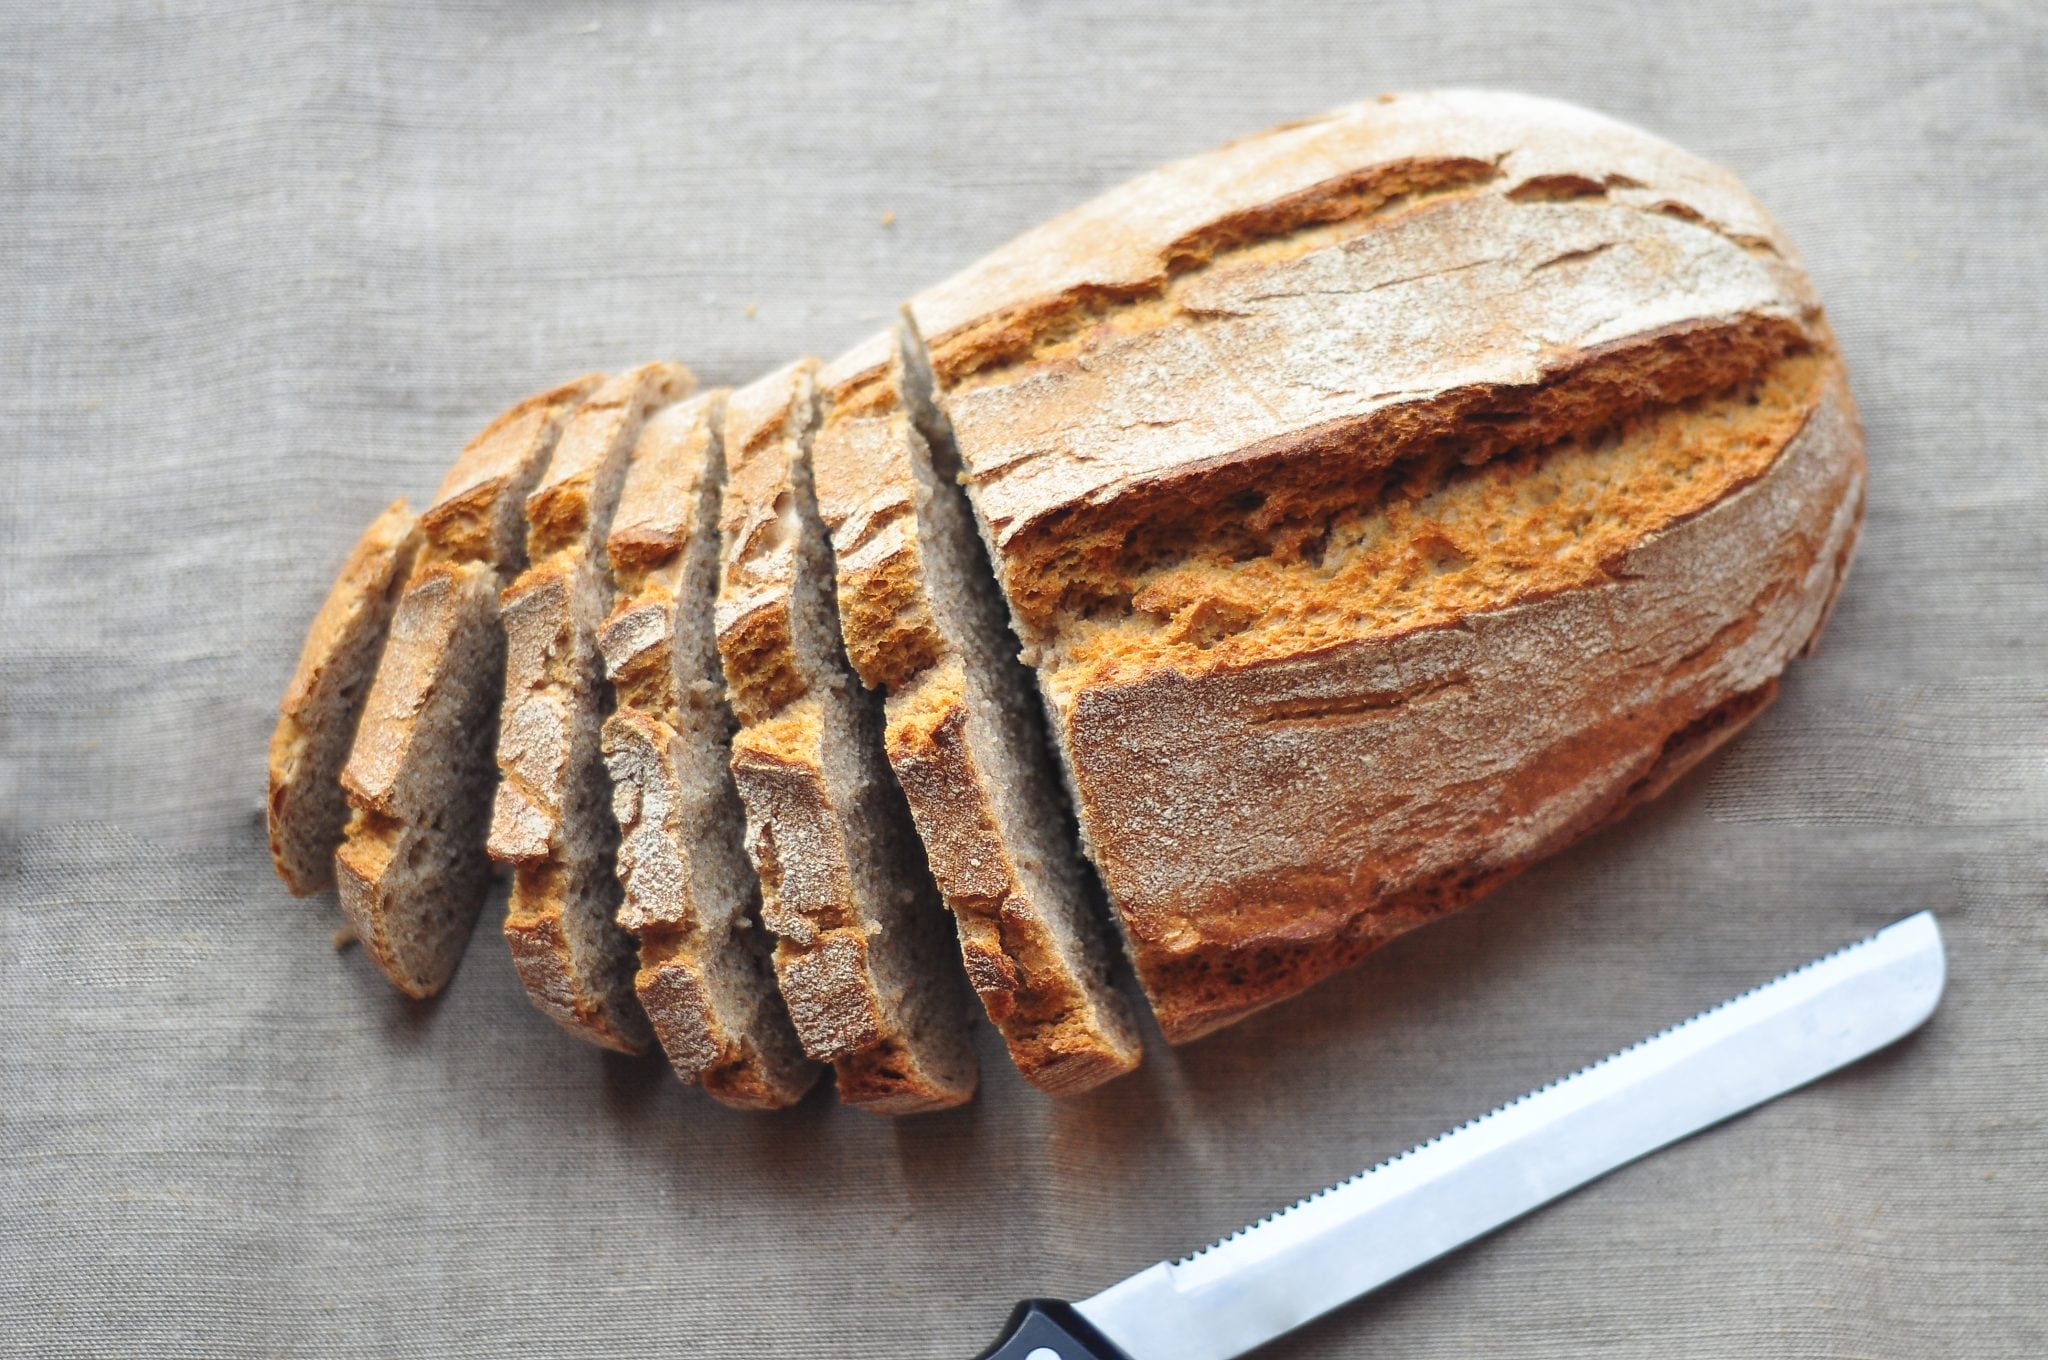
1265 1280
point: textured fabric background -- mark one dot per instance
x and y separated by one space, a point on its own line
263 269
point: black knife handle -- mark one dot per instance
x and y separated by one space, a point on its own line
1046 1329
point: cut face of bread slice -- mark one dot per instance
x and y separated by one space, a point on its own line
317 720
1384 501
863 957
552 820
412 872
705 977
923 622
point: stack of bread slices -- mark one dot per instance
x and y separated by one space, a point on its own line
1251 565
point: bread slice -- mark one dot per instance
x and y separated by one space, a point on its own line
411 872
924 623
862 957
705 979
306 810
1385 500
552 820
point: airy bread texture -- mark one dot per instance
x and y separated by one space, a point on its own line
412 872
924 623
552 820
306 811
862 955
1386 500
705 977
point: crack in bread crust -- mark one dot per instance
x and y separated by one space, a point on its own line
1321 215
1278 854
1454 529
1301 177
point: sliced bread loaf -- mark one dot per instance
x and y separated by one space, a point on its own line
412 871
552 820
862 956
924 623
1385 500
306 809
705 976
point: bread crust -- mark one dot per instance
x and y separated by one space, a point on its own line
1351 162
1229 355
867 495
306 812
1227 325
1261 828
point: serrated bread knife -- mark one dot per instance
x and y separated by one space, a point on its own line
1328 1249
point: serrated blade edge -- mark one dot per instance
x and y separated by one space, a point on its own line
1268 1278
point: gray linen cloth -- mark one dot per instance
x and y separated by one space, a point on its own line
263 269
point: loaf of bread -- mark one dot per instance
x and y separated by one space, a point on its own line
1258 562
1385 501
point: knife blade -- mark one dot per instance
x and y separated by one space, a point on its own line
1237 1294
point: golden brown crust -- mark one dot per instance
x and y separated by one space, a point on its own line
797 846
305 810
476 515
359 868
1320 803
867 496
1343 166
761 674
1215 987
886 1078
1363 285
890 636
1276 496
564 991
1205 420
